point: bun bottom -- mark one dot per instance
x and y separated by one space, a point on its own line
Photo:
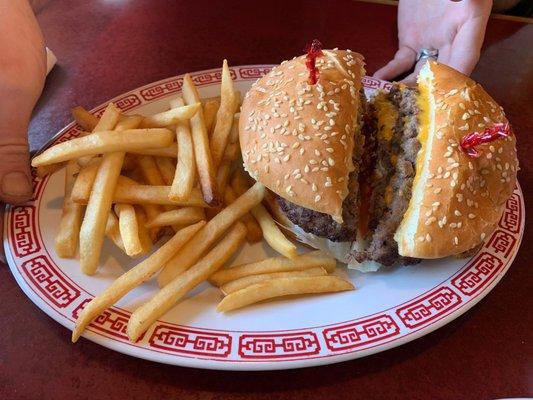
342 251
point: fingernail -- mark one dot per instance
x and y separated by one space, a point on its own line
16 184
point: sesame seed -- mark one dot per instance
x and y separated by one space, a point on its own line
457 213
317 198
471 216
428 237
455 240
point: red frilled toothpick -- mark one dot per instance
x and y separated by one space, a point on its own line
496 131
314 50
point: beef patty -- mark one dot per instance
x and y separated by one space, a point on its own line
321 224
388 211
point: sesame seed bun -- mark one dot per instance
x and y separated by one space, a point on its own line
457 199
297 138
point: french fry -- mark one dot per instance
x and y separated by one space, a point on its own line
107 122
271 232
230 154
151 210
182 216
126 122
146 194
167 169
210 113
187 256
246 281
129 229
172 116
186 165
312 259
133 278
274 288
253 230
44 170
144 232
146 314
112 231
109 119
84 181
224 120
84 118
104 142
66 241
204 161
170 152
93 227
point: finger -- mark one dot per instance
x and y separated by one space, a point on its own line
466 46
15 177
403 61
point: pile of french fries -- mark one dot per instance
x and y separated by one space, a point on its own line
135 179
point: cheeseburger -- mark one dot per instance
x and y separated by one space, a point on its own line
414 173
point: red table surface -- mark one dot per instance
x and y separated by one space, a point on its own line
109 47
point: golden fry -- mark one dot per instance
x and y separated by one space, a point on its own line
246 281
84 181
129 229
210 113
253 230
274 288
186 165
146 194
182 216
112 231
224 120
104 142
94 223
271 232
275 264
66 241
126 122
172 116
204 161
84 118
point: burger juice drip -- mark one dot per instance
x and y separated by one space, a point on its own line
470 141
313 52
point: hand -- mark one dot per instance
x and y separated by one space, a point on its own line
22 74
455 28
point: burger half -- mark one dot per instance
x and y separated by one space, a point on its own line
415 173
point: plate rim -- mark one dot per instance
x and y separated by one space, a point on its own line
154 355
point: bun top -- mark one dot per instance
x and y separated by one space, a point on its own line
457 199
298 138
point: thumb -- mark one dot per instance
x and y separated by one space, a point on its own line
15 176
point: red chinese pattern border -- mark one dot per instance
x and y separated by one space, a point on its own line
261 346
190 341
360 333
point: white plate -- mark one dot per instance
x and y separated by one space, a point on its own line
388 308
